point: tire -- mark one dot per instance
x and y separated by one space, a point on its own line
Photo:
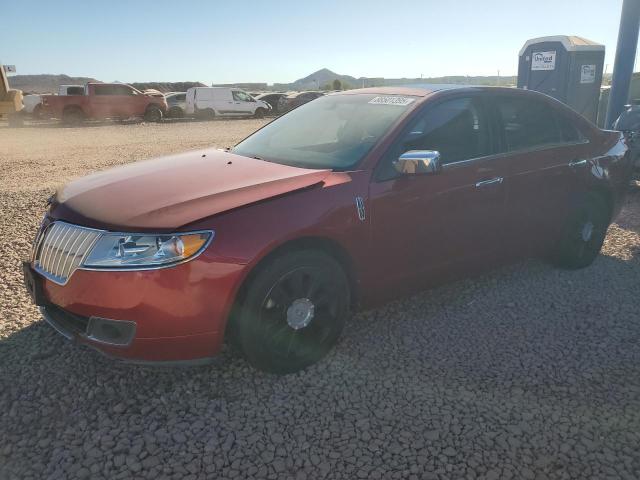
293 311
209 114
584 233
176 112
259 113
153 114
73 116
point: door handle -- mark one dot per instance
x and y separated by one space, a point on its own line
492 181
577 163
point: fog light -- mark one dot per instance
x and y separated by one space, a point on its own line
112 332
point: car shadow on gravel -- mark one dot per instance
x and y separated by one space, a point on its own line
535 368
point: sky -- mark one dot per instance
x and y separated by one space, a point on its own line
281 41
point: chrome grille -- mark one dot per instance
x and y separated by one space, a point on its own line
60 248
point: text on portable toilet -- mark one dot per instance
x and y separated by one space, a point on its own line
543 60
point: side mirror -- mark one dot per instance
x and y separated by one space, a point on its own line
418 162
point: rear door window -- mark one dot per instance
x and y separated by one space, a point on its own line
528 123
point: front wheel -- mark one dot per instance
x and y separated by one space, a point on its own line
584 233
176 112
293 311
260 113
153 114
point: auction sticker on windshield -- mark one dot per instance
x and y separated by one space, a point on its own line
392 100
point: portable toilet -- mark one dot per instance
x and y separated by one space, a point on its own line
568 68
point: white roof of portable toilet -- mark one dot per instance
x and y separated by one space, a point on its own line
572 43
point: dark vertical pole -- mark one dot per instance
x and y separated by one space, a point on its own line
625 58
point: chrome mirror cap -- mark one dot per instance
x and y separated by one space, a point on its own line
417 162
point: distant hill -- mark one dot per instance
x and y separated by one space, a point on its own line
320 78
167 86
324 76
316 80
45 83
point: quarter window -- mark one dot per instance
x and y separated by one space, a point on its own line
527 123
568 130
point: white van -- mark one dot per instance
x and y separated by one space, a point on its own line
224 102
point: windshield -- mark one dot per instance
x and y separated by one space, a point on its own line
334 132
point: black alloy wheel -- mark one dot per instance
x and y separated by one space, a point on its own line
584 233
293 312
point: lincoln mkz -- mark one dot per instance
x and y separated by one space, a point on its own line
346 202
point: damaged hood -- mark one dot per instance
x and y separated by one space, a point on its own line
169 192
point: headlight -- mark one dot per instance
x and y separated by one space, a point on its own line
138 250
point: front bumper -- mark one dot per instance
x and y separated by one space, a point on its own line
169 315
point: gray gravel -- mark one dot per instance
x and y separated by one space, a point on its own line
528 372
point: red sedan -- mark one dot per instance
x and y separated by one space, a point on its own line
346 202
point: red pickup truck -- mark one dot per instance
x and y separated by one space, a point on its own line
105 100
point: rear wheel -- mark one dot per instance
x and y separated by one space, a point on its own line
584 233
73 116
153 114
293 311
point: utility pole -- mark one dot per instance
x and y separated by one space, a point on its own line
625 58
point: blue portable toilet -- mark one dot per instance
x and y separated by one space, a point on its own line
568 68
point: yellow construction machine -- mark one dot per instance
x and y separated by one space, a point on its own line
10 101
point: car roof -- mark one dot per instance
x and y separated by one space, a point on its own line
417 90
424 90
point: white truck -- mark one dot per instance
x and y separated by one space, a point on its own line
210 102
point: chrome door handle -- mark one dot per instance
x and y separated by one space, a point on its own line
577 163
486 183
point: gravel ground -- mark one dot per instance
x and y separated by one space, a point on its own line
528 372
